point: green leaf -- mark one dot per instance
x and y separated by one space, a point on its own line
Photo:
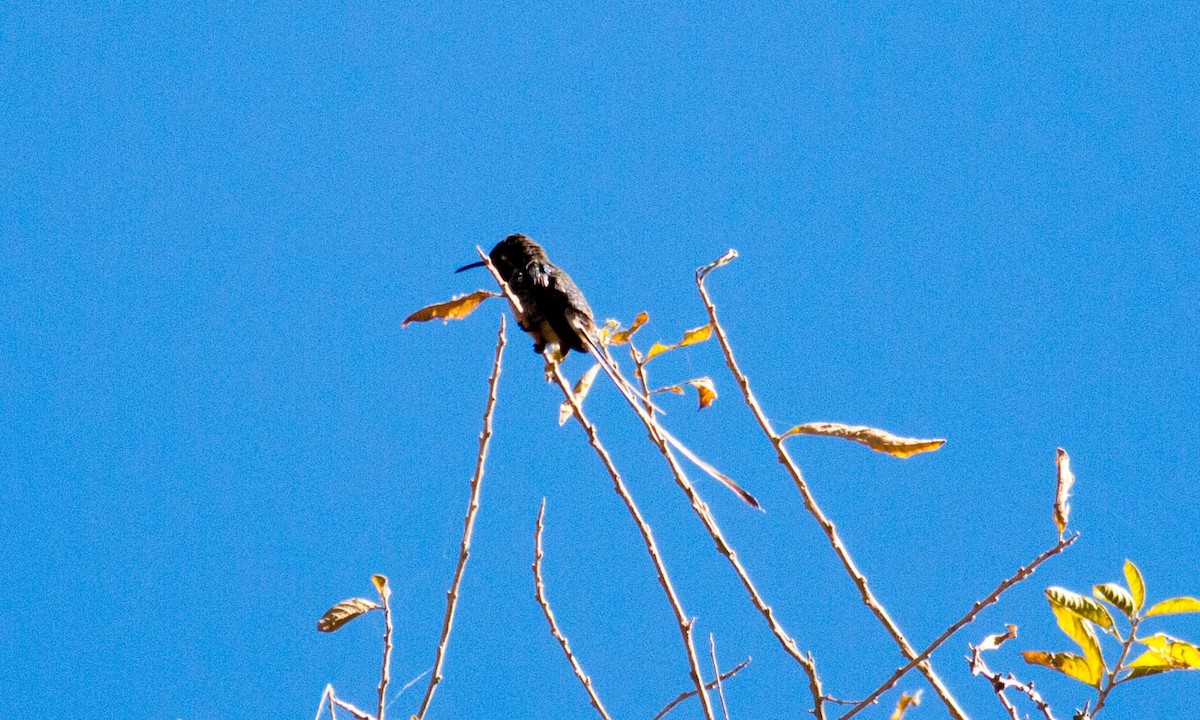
1083 606
1118 596
345 611
1137 586
1175 606
1069 664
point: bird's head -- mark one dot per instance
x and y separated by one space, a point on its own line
513 252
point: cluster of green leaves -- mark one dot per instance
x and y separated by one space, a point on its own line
1080 617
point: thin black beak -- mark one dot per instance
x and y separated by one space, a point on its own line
472 265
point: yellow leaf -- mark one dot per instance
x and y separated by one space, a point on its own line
345 611
1179 653
906 701
1084 607
581 390
381 585
456 308
1068 664
677 389
1082 633
878 440
657 349
1066 478
1137 586
705 389
1175 606
695 335
622 337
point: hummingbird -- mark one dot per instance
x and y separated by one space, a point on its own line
556 315
553 310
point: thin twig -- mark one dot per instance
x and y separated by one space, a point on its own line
1021 574
360 714
539 591
827 526
664 579
712 652
326 695
690 693
385 674
1001 682
332 707
700 507
485 437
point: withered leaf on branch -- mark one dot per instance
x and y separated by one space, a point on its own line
345 611
991 642
725 259
1066 479
691 337
905 702
581 390
456 308
705 389
381 586
620 337
878 440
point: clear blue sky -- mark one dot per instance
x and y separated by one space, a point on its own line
973 221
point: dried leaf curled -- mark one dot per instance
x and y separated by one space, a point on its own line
456 308
1066 479
691 337
725 259
381 585
345 611
878 440
991 642
581 390
621 337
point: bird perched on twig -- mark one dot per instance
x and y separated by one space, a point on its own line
554 312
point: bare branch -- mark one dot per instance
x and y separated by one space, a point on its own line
827 526
360 714
385 674
539 591
1001 682
712 652
691 693
664 579
464 553
1021 574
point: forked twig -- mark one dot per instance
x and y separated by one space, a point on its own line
539 590
810 503
664 579
1001 682
1063 543
464 553
685 695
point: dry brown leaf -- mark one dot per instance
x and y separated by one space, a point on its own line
456 308
623 336
991 642
705 389
878 440
581 390
345 611
1066 479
